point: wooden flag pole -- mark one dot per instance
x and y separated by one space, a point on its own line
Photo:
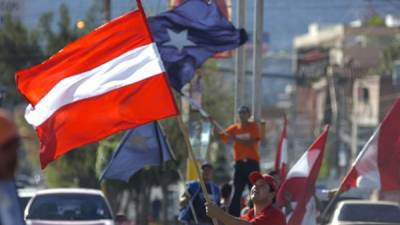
196 166
203 112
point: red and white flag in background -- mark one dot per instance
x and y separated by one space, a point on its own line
109 80
281 158
377 165
300 183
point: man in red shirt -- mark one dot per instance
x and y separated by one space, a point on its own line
262 194
246 137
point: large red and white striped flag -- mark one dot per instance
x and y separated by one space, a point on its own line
281 153
300 182
110 80
377 165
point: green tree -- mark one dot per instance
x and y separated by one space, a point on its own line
18 49
376 21
56 40
75 169
389 55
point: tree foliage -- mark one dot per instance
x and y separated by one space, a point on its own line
376 21
18 49
389 55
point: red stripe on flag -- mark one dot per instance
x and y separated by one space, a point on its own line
280 165
389 149
349 181
98 117
98 47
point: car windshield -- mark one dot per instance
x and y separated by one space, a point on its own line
370 213
69 207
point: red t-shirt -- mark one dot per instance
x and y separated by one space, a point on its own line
268 216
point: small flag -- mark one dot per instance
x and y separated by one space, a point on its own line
301 179
142 146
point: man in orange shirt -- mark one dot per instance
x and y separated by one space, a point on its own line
246 137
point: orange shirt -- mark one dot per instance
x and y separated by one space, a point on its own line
251 131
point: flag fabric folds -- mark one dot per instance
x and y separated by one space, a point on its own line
109 80
142 146
281 153
189 34
10 210
377 165
301 179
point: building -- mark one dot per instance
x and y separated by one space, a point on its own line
337 84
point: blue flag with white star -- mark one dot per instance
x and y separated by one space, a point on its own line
189 34
141 146
10 210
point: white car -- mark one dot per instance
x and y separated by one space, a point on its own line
365 212
68 207
25 195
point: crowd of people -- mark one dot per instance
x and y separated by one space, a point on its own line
227 204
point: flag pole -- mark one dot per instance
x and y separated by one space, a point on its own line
196 166
330 203
203 112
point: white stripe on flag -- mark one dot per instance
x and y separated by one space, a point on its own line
284 158
367 165
131 67
303 167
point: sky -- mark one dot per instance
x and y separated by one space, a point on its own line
283 19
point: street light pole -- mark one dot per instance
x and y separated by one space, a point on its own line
257 57
107 10
354 127
240 59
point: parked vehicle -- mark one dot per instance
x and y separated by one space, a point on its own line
25 195
68 207
365 212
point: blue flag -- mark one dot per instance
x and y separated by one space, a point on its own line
144 145
10 210
189 34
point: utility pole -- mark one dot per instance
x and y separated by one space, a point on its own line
240 60
107 10
335 103
257 57
354 125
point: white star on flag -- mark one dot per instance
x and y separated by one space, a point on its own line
178 40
